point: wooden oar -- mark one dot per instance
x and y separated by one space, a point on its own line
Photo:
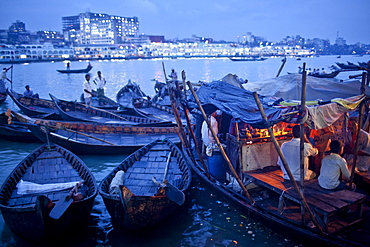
172 192
64 202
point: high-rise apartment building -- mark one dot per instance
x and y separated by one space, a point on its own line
92 28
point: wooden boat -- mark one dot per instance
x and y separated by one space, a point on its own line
105 102
26 207
136 202
242 58
277 206
157 111
15 132
347 66
254 183
130 95
329 75
35 106
94 138
46 107
74 71
73 111
110 139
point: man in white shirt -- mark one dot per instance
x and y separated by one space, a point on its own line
3 80
291 151
207 136
332 166
87 90
173 75
100 83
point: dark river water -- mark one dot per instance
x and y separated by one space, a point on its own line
205 219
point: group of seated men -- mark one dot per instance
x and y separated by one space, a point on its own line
334 173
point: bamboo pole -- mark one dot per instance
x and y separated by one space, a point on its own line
191 133
220 146
359 127
285 164
281 66
302 134
181 133
11 78
301 143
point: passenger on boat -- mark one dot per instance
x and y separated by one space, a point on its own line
87 90
100 82
291 151
173 75
68 66
216 162
363 155
3 80
323 71
300 69
332 166
207 136
29 93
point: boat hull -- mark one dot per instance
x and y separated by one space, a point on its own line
29 218
144 211
74 71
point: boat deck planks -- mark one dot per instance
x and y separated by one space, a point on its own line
139 175
325 202
49 167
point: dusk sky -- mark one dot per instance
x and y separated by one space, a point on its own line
218 19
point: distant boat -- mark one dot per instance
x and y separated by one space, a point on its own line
328 75
247 58
74 71
339 56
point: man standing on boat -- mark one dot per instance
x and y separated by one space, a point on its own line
100 83
87 90
173 75
291 151
3 80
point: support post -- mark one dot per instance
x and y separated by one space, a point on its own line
285 164
220 146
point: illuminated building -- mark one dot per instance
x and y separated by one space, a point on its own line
99 29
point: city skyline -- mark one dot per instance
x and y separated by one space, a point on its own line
273 20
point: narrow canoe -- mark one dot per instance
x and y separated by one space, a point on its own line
140 206
75 71
73 111
25 207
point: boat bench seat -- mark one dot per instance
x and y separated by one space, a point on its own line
324 203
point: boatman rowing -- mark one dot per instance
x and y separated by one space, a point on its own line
3 80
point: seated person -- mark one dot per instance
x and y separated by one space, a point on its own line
29 93
331 168
291 151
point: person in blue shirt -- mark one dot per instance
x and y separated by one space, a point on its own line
29 93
